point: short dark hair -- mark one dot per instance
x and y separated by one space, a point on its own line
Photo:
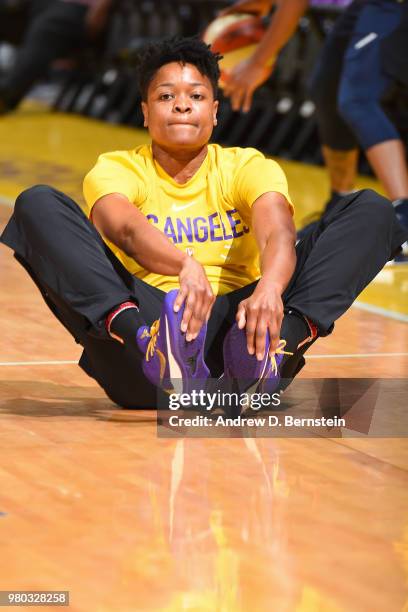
191 50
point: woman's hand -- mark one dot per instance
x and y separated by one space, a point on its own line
261 312
197 295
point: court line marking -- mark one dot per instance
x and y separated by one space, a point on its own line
36 363
391 314
355 355
329 356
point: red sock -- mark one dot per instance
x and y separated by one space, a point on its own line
123 322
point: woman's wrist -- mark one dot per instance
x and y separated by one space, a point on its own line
270 283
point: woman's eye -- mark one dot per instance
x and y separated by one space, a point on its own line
197 96
165 96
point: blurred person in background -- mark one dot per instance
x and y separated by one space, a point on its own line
362 58
50 30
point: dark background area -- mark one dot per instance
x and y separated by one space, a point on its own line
100 81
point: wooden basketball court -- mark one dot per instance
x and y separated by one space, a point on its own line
93 502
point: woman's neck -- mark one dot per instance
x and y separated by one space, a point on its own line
180 165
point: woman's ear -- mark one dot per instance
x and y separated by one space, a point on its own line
145 114
215 109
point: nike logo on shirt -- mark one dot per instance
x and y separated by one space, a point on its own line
177 208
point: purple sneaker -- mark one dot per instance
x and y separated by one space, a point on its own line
170 361
251 374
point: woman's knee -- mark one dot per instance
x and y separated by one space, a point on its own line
351 109
377 208
33 202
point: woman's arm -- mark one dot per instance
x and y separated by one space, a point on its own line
276 236
123 224
249 74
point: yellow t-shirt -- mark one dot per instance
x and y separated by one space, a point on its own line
210 214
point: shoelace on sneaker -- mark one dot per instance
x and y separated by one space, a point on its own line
153 333
273 366
279 351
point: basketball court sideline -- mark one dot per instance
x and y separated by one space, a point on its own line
91 501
